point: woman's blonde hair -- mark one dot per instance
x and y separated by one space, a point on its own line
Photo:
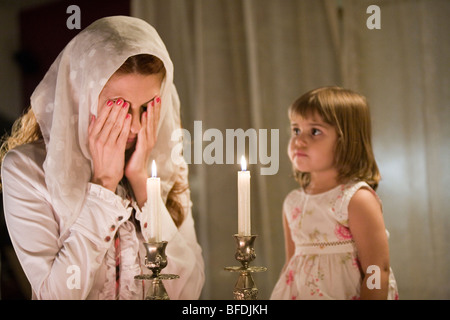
26 129
348 112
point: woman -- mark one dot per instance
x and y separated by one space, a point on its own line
74 177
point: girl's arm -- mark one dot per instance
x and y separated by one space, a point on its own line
368 230
289 245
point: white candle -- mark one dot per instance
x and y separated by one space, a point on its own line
244 200
153 200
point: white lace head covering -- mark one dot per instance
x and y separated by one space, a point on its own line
68 95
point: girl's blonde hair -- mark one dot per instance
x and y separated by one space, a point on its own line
26 129
348 112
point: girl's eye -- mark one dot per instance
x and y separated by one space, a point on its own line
316 132
295 131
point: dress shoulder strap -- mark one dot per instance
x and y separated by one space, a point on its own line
345 195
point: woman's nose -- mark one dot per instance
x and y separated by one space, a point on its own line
135 124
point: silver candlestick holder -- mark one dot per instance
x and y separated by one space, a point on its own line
156 260
245 288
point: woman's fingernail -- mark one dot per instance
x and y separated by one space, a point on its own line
128 116
158 100
153 103
119 102
125 105
109 103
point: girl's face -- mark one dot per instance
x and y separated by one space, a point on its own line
312 144
136 89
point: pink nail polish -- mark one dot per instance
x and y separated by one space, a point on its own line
119 102
158 100
109 103
125 105
128 116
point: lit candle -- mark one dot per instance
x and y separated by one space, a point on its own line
244 200
153 199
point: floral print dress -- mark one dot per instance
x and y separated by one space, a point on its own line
325 263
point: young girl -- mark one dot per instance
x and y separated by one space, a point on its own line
74 177
335 239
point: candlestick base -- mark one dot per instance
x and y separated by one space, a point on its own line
156 260
245 288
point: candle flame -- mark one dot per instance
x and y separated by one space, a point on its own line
243 164
153 169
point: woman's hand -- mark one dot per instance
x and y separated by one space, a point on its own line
107 141
136 167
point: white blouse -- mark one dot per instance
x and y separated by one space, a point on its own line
81 263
